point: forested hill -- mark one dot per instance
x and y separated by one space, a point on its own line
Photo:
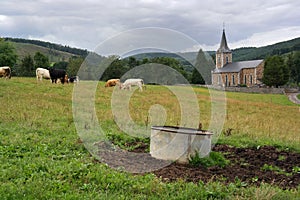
239 54
51 46
252 53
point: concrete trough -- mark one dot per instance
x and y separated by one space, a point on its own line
179 143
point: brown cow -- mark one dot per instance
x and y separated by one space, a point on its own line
112 82
5 72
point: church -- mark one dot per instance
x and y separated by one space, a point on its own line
227 73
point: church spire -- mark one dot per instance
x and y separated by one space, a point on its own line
223 54
223 45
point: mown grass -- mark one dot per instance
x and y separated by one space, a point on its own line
42 157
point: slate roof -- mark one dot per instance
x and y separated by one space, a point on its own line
223 45
238 66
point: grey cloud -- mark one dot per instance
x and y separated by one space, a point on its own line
88 23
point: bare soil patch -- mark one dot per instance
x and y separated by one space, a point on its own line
249 166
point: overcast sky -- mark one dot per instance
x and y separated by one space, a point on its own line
86 23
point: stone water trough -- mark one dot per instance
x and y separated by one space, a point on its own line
179 143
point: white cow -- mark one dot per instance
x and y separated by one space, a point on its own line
42 73
132 82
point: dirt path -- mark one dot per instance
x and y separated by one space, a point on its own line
293 98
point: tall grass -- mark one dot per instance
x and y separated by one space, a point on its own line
42 157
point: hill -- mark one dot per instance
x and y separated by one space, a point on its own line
252 53
239 54
55 52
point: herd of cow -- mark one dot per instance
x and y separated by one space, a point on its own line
127 83
56 75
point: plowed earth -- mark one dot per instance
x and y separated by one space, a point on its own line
249 166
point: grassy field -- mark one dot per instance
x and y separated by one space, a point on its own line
43 158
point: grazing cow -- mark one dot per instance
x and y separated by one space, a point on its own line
42 73
74 79
66 79
112 82
57 74
5 72
131 82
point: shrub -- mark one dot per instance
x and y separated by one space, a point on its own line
214 159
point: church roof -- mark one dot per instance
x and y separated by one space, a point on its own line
223 45
238 66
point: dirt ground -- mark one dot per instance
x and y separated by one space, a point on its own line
245 166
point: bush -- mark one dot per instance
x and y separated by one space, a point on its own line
214 159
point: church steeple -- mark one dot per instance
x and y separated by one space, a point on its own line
223 46
223 54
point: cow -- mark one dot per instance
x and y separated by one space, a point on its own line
57 74
42 73
5 72
73 79
112 82
132 82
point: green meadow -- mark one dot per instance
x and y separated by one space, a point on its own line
42 156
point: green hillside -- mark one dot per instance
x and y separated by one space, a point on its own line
252 53
55 52
23 49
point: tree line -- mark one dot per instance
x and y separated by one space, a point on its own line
279 69
282 70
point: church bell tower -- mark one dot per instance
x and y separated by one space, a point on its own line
223 54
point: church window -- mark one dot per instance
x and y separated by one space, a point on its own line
233 81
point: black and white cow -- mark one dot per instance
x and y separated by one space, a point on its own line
73 79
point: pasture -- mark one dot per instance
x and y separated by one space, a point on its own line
42 156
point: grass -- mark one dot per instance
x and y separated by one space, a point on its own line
214 159
42 157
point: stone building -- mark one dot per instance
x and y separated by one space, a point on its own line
228 73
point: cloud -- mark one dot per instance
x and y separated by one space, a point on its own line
85 24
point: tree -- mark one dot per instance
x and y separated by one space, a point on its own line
171 62
203 67
61 65
27 66
41 60
276 72
196 77
8 57
117 68
74 65
293 63
132 62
